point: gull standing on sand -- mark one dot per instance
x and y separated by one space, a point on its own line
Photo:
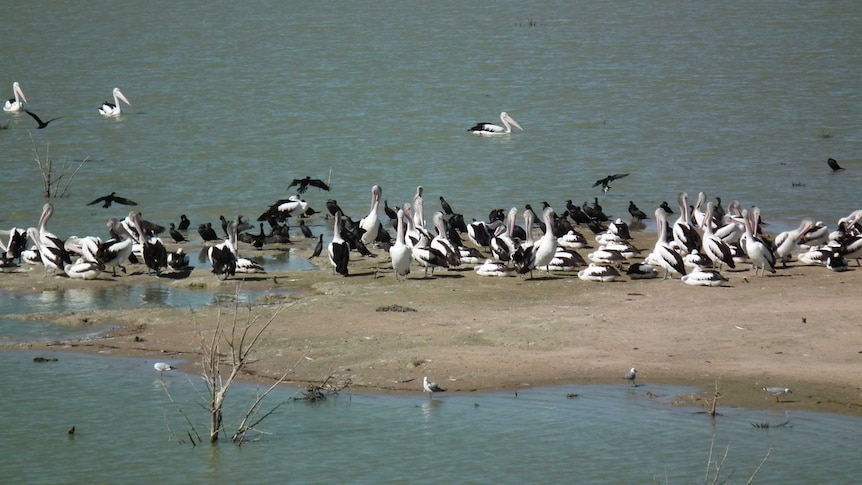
777 391
632 375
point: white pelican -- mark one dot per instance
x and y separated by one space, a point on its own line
490 129
703 277
442 243
641 271
154 254
785 242
339 250
596 272
84 270
663 255
370 223
399 252
108 109
758 252
713 246
16 103
491 268
431 387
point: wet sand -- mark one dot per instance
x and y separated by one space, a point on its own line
799 328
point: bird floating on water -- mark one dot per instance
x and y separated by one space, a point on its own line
113 109
490 129
833 164
16 103
107 200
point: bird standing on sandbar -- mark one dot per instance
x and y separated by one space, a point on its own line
777 391
632 376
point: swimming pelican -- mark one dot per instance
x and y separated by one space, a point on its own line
490 129
15 104
108 109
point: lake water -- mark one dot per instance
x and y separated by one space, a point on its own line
231 101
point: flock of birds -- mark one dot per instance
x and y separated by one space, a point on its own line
18 100
699 246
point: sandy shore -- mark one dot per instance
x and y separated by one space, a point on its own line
799 328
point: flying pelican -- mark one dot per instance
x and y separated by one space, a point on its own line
490 129
431 387
16 103
399 252
108 109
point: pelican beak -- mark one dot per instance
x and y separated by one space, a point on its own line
120 96
20 93
513 122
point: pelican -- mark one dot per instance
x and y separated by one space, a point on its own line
490 129
154 254
601 273
491 268
15 104
663 255
703 277
713 246
84 270
371 223
339 250
399 252
760 255
641 271
108 109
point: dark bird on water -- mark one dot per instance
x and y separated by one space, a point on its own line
833 164
610 178
111 198
184 223
307 182
42 124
